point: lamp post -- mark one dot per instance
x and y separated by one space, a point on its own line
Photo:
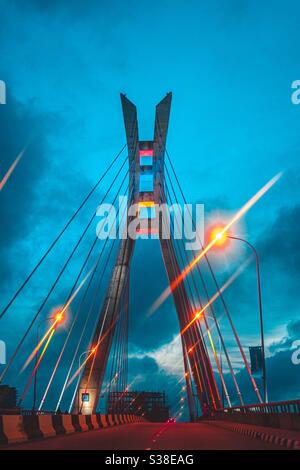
264 376
220 356
57 319
79 364
36 361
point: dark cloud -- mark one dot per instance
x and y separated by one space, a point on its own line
293 334
280 370
146 365
19 128
148 280
149 377
280 243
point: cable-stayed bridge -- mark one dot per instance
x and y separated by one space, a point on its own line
90 363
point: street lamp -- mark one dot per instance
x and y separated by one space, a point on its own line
260 310
202 315
84 353
57 319
220 236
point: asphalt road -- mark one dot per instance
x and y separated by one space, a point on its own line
150 436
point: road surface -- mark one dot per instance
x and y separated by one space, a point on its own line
150 436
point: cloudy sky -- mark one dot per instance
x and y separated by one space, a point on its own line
230 65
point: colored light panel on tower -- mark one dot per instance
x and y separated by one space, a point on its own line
146 157
146 183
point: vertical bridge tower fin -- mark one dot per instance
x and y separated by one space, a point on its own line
147 189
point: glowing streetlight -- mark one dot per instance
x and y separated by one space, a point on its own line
88 353
57 318
221 236
218 237
264 375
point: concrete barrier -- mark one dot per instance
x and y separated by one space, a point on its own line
83 422
68 424
13 429
88 421
57 422
18 428
46 426
116 419
110 420
75 422
94 422
103 420
281 420
277 436
32 427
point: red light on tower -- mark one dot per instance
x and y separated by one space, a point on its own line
146 153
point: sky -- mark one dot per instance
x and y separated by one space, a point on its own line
230 65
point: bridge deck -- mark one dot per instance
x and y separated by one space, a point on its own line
154 436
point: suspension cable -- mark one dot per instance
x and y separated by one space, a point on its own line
113 316
193 339
199 299
59 276
212 310
92 306
105 315
75 318
52 245
253 382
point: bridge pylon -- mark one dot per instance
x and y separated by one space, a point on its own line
147 190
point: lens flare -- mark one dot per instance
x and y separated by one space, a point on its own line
217 235
58 318
81 366
40 344
228 283
92 353
241 212
11 169
36 368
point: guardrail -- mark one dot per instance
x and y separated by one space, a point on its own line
291 406
19 411
16 428
283 414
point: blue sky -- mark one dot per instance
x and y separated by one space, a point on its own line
230 65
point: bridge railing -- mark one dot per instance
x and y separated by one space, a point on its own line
291 406
283 414
18 411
